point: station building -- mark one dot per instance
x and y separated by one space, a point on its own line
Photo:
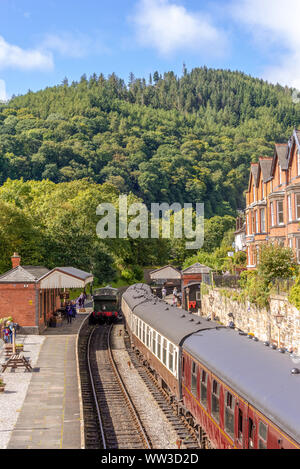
31 294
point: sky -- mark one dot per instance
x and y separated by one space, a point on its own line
42 42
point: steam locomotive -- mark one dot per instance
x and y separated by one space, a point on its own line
106 305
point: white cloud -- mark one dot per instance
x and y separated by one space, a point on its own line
274 24
3 95
168 27
73 45
12 56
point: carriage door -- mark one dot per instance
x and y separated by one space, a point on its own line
241 424
251 430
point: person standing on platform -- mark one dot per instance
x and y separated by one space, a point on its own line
69 314
164 293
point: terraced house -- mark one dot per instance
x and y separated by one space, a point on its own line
273 200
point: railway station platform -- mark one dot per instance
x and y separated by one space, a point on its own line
51 416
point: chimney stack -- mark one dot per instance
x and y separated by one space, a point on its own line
15 260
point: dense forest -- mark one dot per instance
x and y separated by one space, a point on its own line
168 139
65 149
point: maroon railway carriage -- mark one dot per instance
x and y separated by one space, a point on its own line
157 331
235 390
241 393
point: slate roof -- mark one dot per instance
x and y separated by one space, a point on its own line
75 272
256 372
265 166
197 268
24 274
282 153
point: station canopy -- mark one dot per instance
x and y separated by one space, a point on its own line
66 277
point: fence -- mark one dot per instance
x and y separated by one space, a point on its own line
282 286
227 281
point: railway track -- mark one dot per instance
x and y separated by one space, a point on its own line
110 418
187 436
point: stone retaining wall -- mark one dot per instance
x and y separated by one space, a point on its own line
260 322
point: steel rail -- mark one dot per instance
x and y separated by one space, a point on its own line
132 407
94 392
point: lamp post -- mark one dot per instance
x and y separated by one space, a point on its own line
187 290
211 302
279 318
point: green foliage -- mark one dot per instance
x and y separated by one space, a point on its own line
276 262
294 295
185 139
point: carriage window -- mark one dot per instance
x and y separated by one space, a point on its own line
140 329
240 425
154 342
137 327
164 352
251 434
262 435
148 336
203 386
158 346
194 379
183 366
229 415
215 407
175 361
143 332
171 357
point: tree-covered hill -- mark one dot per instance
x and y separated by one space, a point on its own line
168 139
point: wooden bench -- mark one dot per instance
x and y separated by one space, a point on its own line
17 361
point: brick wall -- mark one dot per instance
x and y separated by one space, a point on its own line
19 302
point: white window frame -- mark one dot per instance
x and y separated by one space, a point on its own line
290 208
298 162
256 222
279 168
272 213
262 219
297 205
298 250
279 212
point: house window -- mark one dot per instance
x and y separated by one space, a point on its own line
280 220
272 213
203 386
253 222
279 174
262 436
215 407
194 379
298 250
262 221
297 206
291 243
229 415
256 224
290 208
